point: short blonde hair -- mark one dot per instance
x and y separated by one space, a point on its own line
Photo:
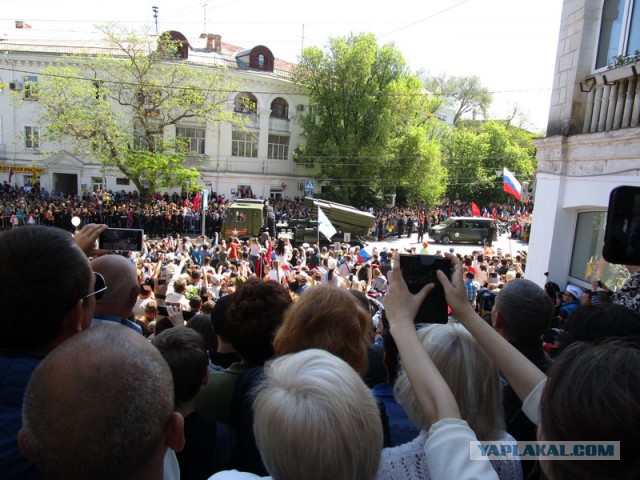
470 373
316 419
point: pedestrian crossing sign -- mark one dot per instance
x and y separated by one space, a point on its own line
310 185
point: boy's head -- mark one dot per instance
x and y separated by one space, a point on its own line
185 352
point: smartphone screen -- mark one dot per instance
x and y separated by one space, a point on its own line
418 271
622 232
121 239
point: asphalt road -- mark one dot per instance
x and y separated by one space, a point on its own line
505 243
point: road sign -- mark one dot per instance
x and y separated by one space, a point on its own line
310 185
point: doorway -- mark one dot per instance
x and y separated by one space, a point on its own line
65 183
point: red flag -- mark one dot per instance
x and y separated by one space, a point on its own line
196 202
495 213
475 210
10 174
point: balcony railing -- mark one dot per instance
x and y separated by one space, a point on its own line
279 124
613 100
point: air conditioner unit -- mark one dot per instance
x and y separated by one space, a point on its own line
16 86
300 107
301 186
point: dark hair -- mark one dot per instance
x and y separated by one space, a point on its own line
218 316
253 315
47 261
525 309
162 324
186 354
201 323
592 394
592 323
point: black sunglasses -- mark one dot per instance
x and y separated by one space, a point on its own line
99 287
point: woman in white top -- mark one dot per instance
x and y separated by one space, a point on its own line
277 273
475 383
330 275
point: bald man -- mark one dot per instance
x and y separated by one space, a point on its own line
118 301
82 418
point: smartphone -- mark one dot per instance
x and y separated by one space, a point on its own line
622 232
121 239
418 271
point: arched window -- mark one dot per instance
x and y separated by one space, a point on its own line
245 103
280 108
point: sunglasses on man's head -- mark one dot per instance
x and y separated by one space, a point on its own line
99 287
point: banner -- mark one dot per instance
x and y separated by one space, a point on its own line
19 169
510 184
324 225
205 200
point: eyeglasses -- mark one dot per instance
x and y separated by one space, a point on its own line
99 287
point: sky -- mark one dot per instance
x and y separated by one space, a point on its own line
509 44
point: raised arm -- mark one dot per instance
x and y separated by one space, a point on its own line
432 392
522 375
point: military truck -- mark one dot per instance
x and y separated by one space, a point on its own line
248 219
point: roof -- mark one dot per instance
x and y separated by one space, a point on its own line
69 42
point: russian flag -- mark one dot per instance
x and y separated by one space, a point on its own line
510 184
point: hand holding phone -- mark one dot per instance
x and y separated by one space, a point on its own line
420 270
121 239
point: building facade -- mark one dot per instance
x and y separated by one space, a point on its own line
592 143
258 158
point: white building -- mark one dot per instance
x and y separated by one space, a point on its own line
228 159
592 143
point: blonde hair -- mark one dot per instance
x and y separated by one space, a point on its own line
470 373
324 417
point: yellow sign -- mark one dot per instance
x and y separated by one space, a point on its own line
18 169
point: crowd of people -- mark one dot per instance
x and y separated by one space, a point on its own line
260 360
171 214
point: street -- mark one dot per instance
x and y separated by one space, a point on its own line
504 243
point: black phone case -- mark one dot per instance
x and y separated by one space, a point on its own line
418 271
622 232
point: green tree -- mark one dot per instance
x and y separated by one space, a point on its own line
465 94
477 150
116 107
362 102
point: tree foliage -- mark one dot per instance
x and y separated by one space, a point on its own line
116 107
465 94
360 129
477 150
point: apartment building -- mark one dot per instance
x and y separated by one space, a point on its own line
592 143
229 159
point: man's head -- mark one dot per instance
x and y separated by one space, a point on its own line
122 281
253 314
104 415
186 354
42 263
522 311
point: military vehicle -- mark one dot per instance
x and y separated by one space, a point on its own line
248 219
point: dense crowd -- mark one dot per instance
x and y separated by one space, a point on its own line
171 214
199 359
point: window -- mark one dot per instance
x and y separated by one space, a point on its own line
278 147
139 140
123 181
280 108
30 88
245 103
586 256
31 137
244 144
261 60
194 136
97 183
619 31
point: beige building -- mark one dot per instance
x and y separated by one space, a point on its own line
229 159
592 143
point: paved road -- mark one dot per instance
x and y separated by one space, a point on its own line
504 242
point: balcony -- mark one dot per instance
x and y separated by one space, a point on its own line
251 120
613 99
279 124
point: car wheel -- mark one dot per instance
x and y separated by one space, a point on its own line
446 240
484 241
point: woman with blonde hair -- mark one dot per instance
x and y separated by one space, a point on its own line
475 383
